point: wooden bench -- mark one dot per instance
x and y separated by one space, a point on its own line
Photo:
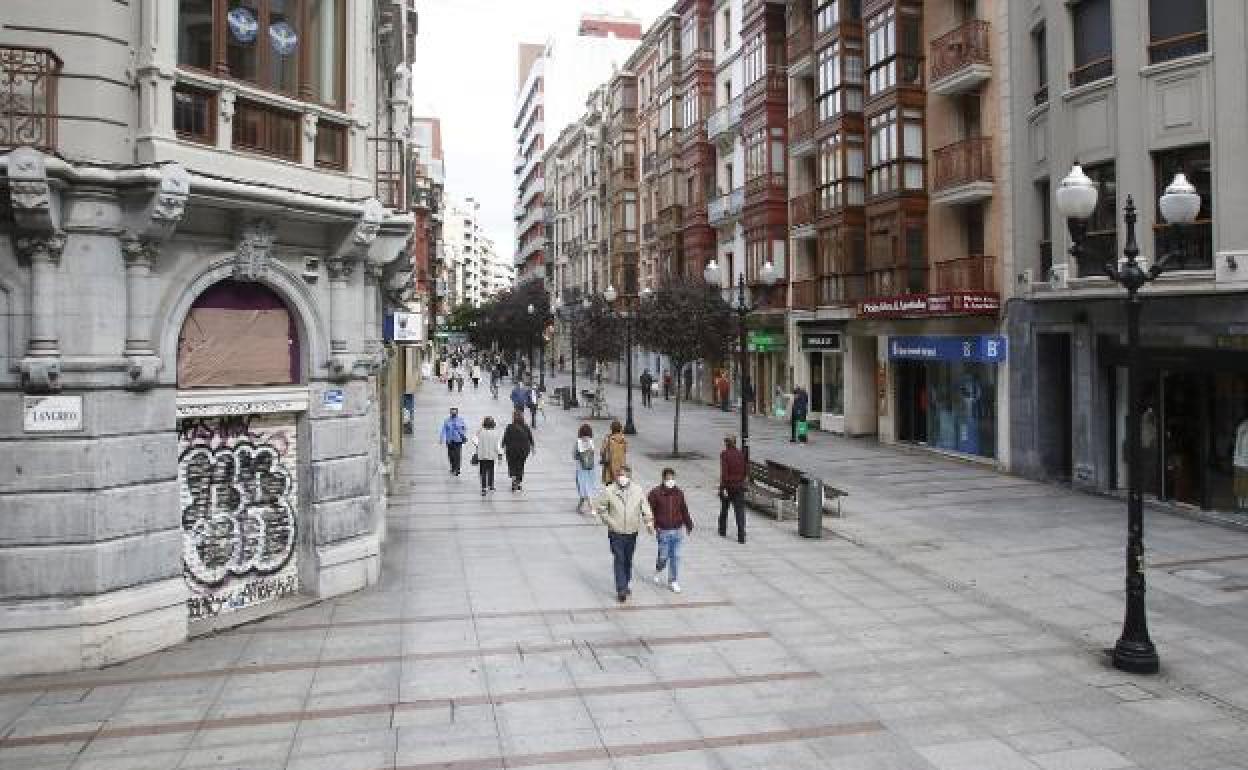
772 491
831 495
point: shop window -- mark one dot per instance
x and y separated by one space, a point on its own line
291 47
1192 245
1092 29
238 334
194 114
1176 29
1101 245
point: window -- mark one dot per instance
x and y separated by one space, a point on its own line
1176 29
832 12
755 60
331 145
292 47
755 155
727 29
194 114
1102 241
267 130
894 50
896 159
1046 228
838 77
1192 245
1039 50
1094 41
840 172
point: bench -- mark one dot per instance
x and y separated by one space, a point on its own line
597 406
831 495
772 490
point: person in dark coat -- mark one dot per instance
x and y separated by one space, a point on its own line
801 407
647 383
671 522
517 444
732 478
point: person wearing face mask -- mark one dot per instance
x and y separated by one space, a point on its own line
671 515
454 434
624 509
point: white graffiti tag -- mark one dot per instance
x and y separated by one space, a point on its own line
239 518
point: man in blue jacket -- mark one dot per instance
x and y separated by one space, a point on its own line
454 434
522 398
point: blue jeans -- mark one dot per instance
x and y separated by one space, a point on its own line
670 542
622 547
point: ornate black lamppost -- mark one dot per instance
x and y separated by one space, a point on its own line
768 277
628 316
1180 204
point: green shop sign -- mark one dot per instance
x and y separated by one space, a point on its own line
764 341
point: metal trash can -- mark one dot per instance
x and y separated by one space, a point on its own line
810 507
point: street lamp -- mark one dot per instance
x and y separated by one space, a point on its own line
541 352
767 277
1180 204
610 295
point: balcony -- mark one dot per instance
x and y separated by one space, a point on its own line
623 177
519 162
963 172
390 182
801 131
724 121
696 214
693 134
726 209
648 232
894 282
670 219
536 186
773 87
625 240
840 195
28 108
695 57
977 273
769 185
518 212
961 58
802 210
799 51
648 164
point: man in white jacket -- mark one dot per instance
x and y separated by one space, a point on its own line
623 507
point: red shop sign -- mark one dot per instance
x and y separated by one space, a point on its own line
928 305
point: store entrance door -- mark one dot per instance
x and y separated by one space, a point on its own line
912 401
1185 397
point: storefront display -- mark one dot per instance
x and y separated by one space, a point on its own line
947 391
825 361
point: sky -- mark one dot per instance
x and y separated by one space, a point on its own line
465 74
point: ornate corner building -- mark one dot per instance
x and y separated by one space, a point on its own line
205 224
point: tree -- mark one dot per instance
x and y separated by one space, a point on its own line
687 320
599 334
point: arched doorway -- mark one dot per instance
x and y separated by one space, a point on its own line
239 404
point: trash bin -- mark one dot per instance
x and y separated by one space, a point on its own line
810 507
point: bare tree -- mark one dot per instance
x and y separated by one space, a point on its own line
687 320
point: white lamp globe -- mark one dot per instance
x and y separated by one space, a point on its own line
711 273
610 294
531 310
1180 203
769 274
1077 195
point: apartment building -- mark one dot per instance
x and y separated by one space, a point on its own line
576 207
1135 92
428 181
499 274
467 260
203 228
530 145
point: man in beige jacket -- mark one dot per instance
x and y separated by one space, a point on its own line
622 506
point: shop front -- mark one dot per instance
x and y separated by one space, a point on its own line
946 391
822 361
767 352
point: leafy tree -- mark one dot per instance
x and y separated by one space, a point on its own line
687 320
599 334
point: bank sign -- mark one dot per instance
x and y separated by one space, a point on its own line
984 349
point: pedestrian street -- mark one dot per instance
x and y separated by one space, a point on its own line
942 624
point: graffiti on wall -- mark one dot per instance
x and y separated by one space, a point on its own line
237 484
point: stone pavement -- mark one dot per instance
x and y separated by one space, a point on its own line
953 620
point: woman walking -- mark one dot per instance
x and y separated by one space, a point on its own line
583 455
487 450
614 451
476 375
517 445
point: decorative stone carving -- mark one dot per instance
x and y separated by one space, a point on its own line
170 204
41 248
225 103
340 269
136 251
34 205
41 375
369 224
142 371
309 126
254 250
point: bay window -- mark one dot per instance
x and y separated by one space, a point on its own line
894 49
838 78
832 12
840 172
755 64
291 47
756 154
896 151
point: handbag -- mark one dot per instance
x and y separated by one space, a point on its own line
474 459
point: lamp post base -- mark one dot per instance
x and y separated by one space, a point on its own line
629 428
1135 657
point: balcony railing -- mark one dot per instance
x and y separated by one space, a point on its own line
726 208
691 134
828 291
623 177
799 42
670 219
775 85
725 119
648 231
977 273
28 108
802 209
802 125
960 48
894 282
765 183
964 162
696 214
840 194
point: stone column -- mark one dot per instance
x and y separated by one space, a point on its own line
138 256
44 255
340 270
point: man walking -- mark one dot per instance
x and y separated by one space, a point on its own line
522 397
801 404
689 382
623 508
454 434
667 384
671 516
732 475
647 383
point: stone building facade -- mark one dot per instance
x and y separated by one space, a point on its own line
204 216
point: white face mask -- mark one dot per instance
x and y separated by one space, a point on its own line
622 480
669 483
